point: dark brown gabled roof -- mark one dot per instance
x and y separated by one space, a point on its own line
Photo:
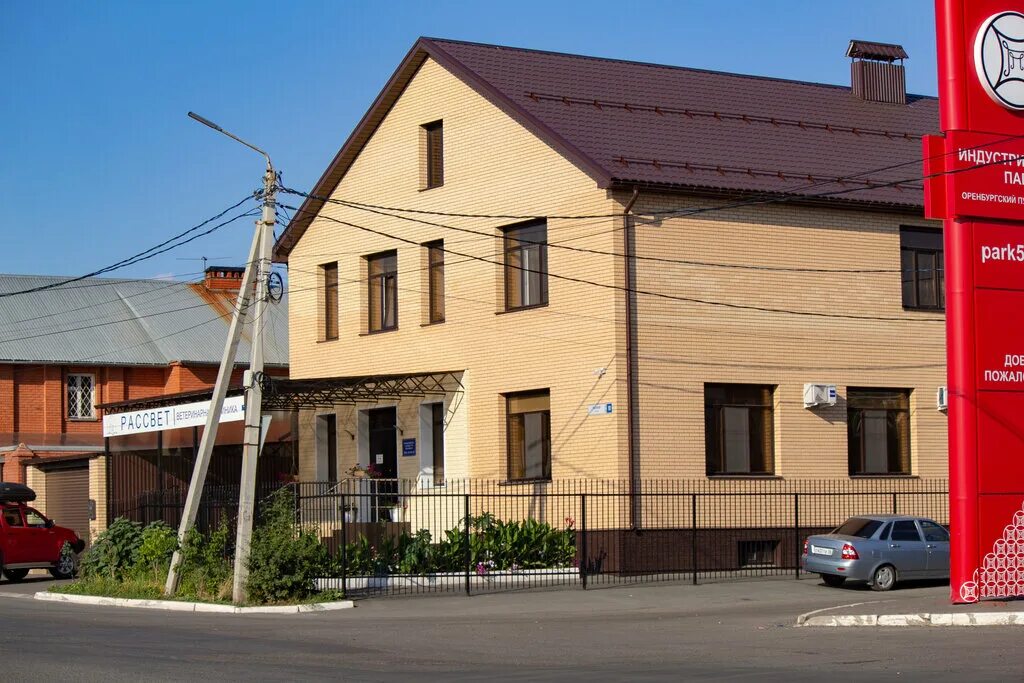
630 123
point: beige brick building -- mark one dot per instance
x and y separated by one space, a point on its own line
643 269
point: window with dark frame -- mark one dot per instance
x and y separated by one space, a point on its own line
878 426
529 436
526 265
330 271
739 429
437 441
435 281
434 133
382 270
328 443
922 264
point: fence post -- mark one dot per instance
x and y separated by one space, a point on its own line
344 546
894 503
797 547
583 540
469 554
693 536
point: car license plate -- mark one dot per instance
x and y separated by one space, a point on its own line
821 551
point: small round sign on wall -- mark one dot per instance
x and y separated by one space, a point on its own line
999 58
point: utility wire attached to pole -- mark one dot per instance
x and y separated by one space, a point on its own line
257 269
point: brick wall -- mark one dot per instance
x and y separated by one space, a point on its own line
494 166
684 344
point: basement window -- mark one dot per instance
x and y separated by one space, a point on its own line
760 553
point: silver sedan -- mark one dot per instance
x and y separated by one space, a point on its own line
879 549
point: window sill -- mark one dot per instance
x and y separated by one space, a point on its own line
924 309
431 187
746 476
523 482
83 419
327 341
433 324
884 475
521 308
373 332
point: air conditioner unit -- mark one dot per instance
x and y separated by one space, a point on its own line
819 395
942 399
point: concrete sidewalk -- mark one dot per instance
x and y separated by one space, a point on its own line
913 605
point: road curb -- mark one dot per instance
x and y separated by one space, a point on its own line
920 619
181 606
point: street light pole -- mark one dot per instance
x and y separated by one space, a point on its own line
257 268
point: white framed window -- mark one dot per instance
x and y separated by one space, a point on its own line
81 397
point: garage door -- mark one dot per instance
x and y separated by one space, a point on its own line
67 498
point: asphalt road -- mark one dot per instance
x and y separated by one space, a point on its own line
729 631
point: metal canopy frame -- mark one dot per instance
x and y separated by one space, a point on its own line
279 394
284 394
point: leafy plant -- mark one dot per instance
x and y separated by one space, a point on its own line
115 550
491 545
206 567
157 543
284 560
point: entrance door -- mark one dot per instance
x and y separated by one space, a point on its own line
383 442
384 457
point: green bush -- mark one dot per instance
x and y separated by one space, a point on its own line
206 565
157 543
114 552
492 545
284 561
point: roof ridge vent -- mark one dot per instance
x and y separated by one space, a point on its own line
874 73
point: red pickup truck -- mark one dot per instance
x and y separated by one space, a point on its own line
28 540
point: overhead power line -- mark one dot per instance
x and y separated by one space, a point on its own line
659 295
166 245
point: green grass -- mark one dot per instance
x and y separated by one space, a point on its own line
149 589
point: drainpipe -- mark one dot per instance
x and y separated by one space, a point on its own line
632 400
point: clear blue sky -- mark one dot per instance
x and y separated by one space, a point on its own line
99 161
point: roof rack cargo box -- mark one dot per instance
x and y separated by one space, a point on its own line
15 493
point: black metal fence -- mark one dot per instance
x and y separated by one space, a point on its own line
402 536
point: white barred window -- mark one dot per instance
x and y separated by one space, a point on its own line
81 389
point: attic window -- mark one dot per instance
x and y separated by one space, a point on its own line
432 155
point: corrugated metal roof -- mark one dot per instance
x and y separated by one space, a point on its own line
125 322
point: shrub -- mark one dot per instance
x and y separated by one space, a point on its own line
114 552
492 544
157 543
284 561
206 566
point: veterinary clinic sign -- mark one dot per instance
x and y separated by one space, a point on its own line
171 417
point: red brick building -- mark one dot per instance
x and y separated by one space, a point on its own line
66 350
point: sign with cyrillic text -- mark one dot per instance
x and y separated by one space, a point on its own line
989 173
171 417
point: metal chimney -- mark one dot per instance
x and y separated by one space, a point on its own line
875 75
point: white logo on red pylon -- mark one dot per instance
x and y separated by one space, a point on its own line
999 58
1001 574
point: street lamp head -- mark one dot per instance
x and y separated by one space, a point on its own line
211 124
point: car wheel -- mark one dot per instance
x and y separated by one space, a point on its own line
884 578
832 580
66 566
15 574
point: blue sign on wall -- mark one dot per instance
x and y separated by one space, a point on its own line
408 447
